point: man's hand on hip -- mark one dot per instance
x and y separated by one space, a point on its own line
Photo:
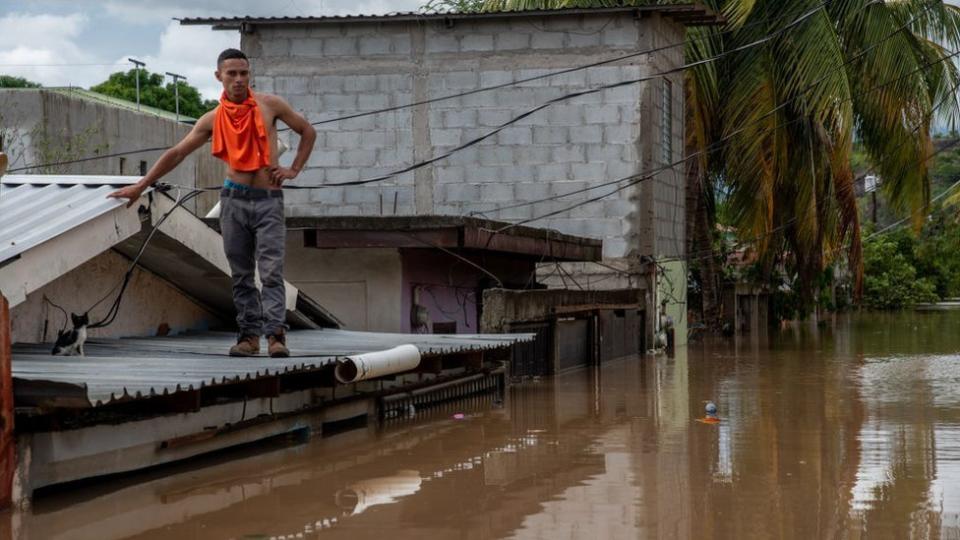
131 192
280 174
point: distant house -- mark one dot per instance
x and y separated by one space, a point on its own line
329 67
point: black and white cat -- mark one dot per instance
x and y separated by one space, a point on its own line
70 342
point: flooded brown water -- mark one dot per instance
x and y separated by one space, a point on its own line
846 431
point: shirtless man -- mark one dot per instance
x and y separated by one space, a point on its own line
244 132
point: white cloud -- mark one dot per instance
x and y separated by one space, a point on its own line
140 12
191 51
44 33
43 48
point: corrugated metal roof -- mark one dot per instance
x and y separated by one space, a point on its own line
118 367
689 14
37 208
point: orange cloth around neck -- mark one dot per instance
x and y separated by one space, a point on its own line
239 136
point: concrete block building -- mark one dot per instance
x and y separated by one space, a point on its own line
555 166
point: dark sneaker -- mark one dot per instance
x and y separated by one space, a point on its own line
248 345
278 346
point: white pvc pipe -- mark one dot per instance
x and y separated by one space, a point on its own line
377 364
359 496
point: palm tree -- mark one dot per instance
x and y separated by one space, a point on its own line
871 69
874 70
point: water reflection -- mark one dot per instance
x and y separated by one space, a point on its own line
359 496
849 430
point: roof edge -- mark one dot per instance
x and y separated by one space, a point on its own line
693 14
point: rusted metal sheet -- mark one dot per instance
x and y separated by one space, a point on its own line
448 232
48 395
7 445
544 245
446 238
583 308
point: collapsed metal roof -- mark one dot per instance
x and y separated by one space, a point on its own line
123 369
35 209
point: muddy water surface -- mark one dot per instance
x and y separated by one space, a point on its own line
846 431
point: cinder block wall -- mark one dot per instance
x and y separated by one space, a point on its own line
327 70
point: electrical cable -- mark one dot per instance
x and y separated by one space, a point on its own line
760 41
717 144
632 180
565 97
557 73
195 191
66 318
115 307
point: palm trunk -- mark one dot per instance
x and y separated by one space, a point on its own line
700 245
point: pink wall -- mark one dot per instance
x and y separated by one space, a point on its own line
449 289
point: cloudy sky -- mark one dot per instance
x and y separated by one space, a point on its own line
80 42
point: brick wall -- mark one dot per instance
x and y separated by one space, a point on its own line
327 70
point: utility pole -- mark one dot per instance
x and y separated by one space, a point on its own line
138 64
176 91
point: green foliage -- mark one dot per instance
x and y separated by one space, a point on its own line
891 278
452 6
946 165
9 81
154 93
938 254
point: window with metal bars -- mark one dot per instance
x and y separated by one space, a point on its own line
666 123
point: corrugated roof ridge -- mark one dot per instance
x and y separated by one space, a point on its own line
702 13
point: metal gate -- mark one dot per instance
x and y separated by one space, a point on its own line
536 357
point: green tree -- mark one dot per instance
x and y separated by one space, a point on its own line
892 280
877 69
9 81
154 92
453 6
938 253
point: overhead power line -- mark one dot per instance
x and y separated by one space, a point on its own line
594 90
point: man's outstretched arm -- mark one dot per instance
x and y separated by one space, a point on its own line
199 135
308 136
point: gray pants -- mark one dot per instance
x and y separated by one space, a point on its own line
254 235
